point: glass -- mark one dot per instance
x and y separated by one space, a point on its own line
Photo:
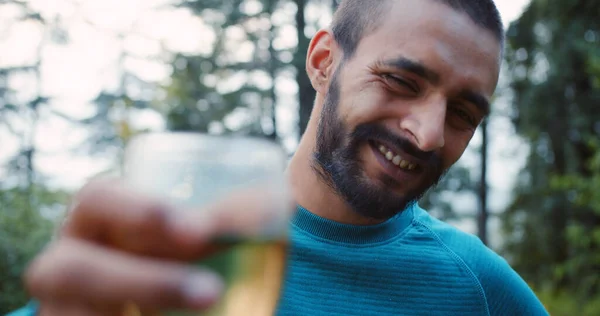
194 170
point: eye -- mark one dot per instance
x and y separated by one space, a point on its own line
399 83
465 119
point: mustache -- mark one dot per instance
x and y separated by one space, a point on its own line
366 132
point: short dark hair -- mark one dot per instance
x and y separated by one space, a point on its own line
354 19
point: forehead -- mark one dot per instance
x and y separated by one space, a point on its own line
439 37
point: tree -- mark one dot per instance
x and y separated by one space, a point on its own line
482 216
268 63
26 204
553 56
226 91
306 93
24 230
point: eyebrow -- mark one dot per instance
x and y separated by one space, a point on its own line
417 68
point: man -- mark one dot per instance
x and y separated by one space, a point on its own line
401 87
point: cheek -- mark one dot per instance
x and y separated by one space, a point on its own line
455 146
366 105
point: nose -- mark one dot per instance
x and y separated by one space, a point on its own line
426 123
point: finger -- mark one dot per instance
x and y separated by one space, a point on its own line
127 309
74 271
131 309
61 309
48 309
108 212
105 208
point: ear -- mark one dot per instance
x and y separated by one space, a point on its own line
320 60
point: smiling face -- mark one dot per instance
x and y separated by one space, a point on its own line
403 108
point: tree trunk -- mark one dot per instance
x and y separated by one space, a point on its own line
306 93
482 217
272 71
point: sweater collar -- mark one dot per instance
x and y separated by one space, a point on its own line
353 234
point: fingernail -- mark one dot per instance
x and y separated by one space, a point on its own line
202 289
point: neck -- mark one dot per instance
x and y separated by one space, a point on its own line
310 191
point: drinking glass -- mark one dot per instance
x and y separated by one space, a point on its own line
195 170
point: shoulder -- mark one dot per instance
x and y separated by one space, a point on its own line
506 293
30 309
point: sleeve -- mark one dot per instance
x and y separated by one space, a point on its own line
506 292
28 310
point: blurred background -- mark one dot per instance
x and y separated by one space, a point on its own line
79 78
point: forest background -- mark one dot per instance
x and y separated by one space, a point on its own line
79 78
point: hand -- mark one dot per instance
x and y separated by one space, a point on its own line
118 247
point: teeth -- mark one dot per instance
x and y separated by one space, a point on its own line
396 159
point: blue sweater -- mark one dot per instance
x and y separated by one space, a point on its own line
412 264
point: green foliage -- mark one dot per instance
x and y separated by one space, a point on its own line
23 232
552 227
23 197
584 235
221 92
563 303
191 105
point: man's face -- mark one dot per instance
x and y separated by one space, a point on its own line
403 109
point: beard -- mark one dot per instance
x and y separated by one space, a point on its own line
337 162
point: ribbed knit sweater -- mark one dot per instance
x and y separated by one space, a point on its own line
412 264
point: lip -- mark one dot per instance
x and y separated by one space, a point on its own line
405 156
398 174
